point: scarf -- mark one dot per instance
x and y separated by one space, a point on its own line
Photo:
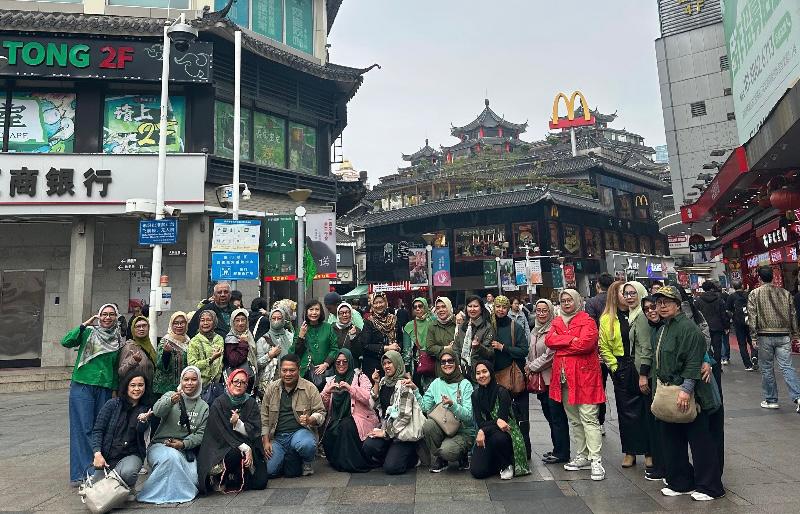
208 335
102 340
541 328
386 323
484 397
455 376
578 299
180 342
399 368
199 391
340 404
417 329
447 303
278 335
340 325
642 292
500 301
236 401
252 351
144 342
466 346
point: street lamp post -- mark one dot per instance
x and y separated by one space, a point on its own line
299 196
237 123
497 268
429 237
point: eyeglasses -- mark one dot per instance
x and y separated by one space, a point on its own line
542 311
178 322
447 361
341 361
663 301
142 325
630 294
239 382
108 315
419 306
648 308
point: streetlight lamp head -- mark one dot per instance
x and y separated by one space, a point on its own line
428 237
182 35
299 195
299 211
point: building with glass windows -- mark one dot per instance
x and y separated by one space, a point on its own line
81 91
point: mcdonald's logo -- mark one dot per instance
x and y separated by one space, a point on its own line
570 120
641 201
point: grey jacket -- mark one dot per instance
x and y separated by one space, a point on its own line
484 333
540 357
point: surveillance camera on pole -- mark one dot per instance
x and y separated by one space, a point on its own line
182 34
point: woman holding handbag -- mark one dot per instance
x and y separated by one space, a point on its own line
449 430
540 362
419 361
315 344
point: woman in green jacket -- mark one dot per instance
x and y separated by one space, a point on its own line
415 342
315 344
205 351
442 332
94 377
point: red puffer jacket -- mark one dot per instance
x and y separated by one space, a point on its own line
576 353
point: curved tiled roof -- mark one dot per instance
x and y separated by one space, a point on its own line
489 118
491 140
425 151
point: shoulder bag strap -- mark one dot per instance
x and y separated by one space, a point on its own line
513 322
258 323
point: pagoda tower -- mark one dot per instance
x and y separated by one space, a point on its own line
487 132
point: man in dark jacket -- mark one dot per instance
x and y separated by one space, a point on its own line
594 308
737 309
221 304
713 309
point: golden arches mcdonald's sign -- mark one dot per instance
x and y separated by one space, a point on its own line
570 121
641 201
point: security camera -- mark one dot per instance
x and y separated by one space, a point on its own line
169 210
246 194
182 35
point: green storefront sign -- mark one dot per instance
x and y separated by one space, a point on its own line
280 260
763 38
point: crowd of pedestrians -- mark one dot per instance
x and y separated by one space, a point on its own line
229 398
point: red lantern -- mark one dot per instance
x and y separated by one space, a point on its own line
785 199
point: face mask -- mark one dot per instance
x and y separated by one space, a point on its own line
276 325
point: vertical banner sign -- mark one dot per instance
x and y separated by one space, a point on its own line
558 277
569 275
507 275
536 272
280 259
489 273
441 267
321 240
521 270
418 267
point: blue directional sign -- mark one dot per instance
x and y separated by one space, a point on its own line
234 265
158 232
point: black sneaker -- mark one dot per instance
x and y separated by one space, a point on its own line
438 466
652 475
463 463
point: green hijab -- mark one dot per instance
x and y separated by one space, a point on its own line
144 342
419 326
456 376
340 405
399 367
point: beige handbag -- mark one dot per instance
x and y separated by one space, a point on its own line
665 401
104 495
445 418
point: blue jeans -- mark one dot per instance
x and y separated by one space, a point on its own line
300 443
127 468
778 348
726 346
85 402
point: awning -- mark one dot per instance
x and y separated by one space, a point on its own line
358 292
738 232
724 182
768 227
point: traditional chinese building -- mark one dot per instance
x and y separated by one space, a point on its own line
80 138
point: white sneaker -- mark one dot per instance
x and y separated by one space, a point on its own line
602 430
598 472
507 473
578 463
307 469
725 362
666 491
702 497
769 405
797 401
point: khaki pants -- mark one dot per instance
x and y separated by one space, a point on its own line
437 444
585 434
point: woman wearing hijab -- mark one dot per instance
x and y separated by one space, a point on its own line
475 334
118 433
94 377
395 401
205 350
346 397
240 347
347 334
171 355
442 331
498 443
315 344
415 346
454 392
231 457
540 360
173 446
270 347
644 334
138 353
576 380
379 336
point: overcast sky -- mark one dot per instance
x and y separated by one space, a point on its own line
440 57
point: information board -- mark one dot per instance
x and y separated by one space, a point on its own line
234 265
235 235
158 232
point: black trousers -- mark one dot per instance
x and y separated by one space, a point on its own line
601 411
705 475
521 405
497 454
745 342
233 471
396 457
559 425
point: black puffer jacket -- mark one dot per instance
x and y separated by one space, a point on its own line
711 305
105 427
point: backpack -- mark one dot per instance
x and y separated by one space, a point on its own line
739 309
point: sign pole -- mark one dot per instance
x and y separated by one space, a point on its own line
497 269
429 250
300 213
237 123
574 142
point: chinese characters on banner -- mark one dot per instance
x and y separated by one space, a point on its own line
490 273
59 182
536 272
41 122
521 270
441 267
321 241
234 265
569 275
131 124
418 267
280 260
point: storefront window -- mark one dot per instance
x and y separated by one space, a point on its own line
659 247
271 16
479 243
130 124
623 205
269 134
41 122
223 131
525 234
302 148
594 245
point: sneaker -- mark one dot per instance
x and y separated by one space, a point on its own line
702 497
603 430
797 401
507 473
748 369
463 463
439 465
754 360
652 475
578 463
666 491
598 472
724 362
307 469
769 405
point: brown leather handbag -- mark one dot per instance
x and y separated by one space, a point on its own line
511 377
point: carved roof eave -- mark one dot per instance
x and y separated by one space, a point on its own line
483 141
332 10
425 151
488 115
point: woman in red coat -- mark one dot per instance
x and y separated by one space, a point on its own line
577 379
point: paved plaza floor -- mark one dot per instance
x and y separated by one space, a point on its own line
762 470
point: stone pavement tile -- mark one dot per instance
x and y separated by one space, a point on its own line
562 505
318 496
287 497
521 491
378 477
446 498
211 501
768 493
686 504
752 476
360 494
247 498
533 476
470 508
619 488
369 508
604 504
455 482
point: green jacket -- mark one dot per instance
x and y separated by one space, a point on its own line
680 350
641 336
100 371
199 354
440 335
462 410
320 343
170 426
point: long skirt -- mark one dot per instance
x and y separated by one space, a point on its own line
631 405
343 446
172 479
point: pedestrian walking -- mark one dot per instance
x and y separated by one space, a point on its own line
737 309
712 306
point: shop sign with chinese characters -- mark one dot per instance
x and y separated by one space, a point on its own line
33 184
779 235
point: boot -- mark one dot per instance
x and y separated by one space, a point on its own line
629 461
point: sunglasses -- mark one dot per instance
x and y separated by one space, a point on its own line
447 361
341 361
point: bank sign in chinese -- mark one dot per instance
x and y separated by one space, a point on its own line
131 124
102 58
763 39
